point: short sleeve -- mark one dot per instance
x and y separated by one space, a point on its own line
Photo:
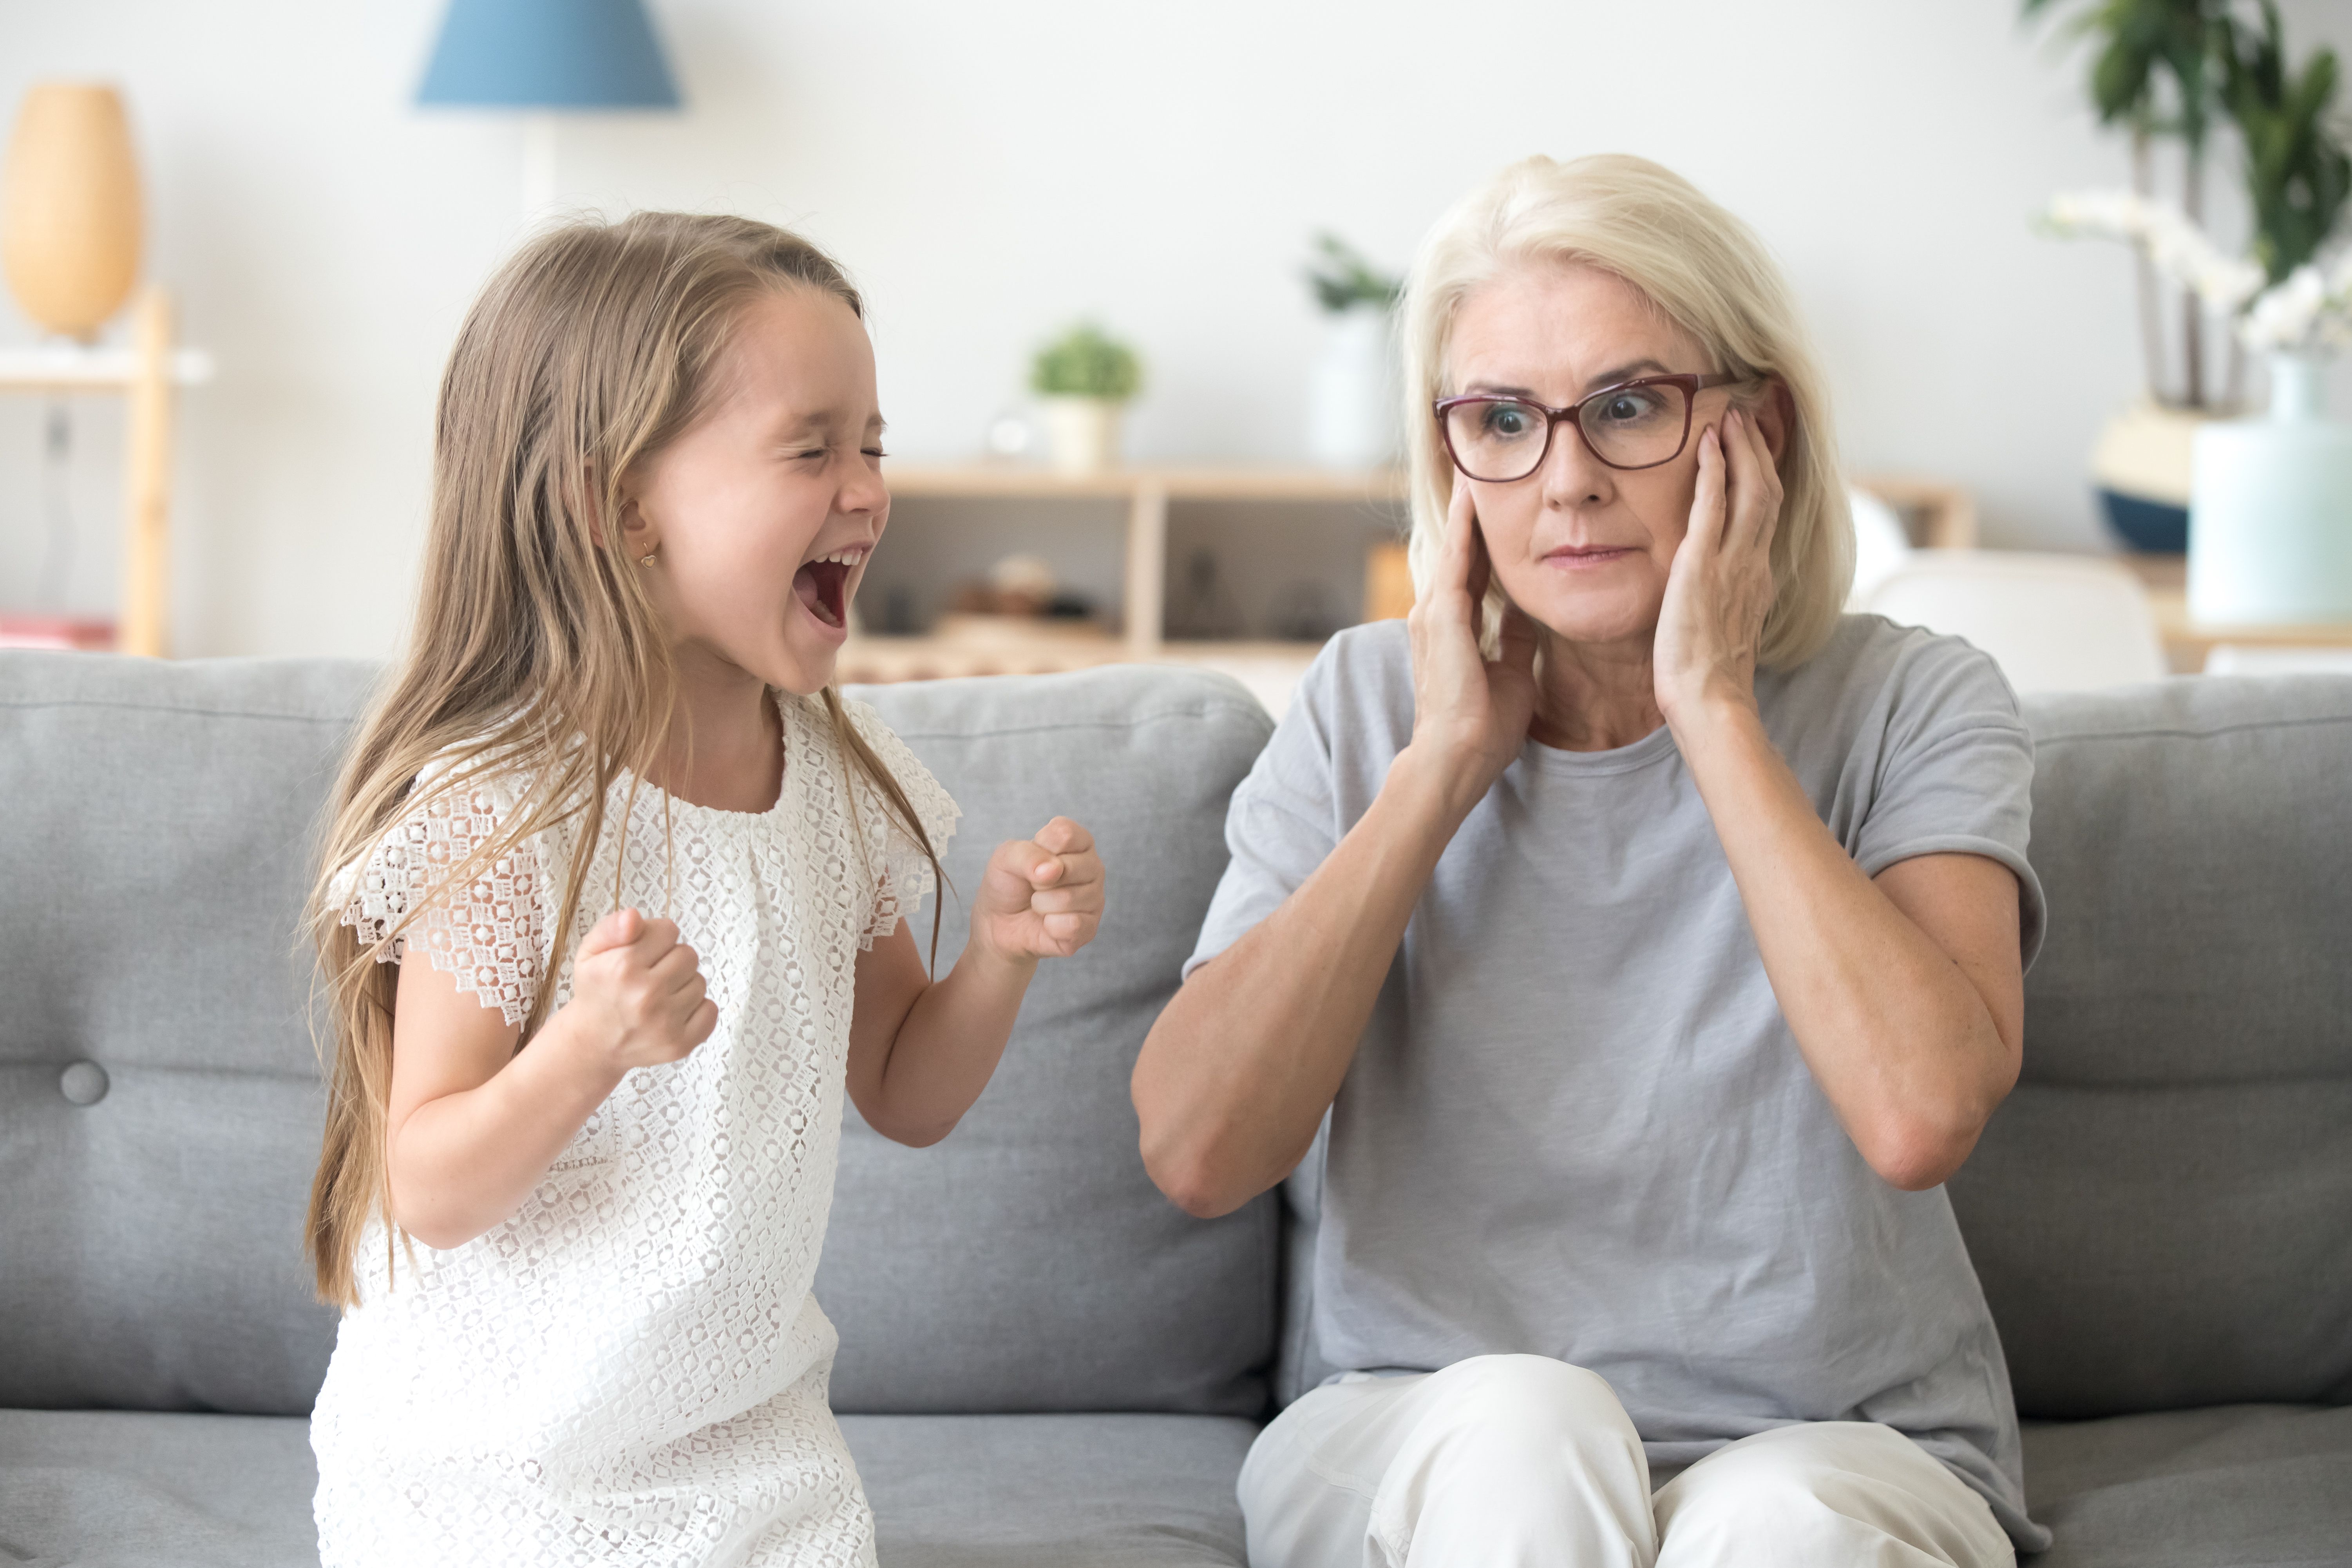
1283 821
902 872
482 927
1955 772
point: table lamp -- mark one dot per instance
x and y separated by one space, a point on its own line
544 56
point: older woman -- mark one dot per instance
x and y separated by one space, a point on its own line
1621 952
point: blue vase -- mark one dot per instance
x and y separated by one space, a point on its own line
2270 514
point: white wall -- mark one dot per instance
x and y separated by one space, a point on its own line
990 171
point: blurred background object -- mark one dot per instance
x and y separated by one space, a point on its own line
1352 401
546 58
990 176
71 230
1086 378
2053 623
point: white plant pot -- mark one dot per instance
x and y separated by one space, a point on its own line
2269 516
1082 433
1351 395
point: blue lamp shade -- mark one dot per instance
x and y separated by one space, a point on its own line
549 53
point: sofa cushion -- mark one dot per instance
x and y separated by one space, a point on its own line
1027 1263
2161 1213
2243 1486
121 1489
161 824
127 1489
1052 1491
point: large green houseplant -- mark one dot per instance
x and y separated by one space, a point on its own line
2184 70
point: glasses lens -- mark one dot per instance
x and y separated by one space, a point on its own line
1634 426
1497 441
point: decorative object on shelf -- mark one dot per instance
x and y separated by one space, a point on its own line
1200 610
1021 595
1388 582
1352 394
2270 531
2174 69
1304 613
545 56
71 226
1084 378
1010 437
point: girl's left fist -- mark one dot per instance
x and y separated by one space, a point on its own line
1042 897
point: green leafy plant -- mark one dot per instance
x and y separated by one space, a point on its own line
2298 169
2152 76
1087 362
1341 278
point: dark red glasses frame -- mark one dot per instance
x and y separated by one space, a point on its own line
1692 386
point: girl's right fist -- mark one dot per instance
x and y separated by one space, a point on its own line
638 992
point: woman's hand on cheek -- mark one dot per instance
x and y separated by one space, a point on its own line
1042 897
1720 587
1472 715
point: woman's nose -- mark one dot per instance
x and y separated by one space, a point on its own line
1572 475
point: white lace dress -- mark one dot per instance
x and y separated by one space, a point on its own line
632 1370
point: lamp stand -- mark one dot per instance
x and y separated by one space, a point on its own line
538 165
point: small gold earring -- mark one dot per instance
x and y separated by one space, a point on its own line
647 560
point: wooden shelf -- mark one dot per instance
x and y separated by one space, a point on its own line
1147 492
70 367
1028 481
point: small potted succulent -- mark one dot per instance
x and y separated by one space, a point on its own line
1084 378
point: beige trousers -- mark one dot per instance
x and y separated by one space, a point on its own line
1519 1461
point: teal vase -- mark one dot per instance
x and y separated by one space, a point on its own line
2270 511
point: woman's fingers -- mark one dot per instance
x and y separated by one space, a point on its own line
1708 501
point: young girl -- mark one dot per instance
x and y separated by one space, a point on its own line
578 1162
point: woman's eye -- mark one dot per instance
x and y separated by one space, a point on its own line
1507 419
1627 407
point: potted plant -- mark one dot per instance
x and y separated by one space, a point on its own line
1086 378
2266 534
2151 74
1351 403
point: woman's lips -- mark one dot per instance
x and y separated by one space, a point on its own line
1586 558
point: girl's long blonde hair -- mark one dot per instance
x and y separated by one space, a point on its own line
592 348
1703 270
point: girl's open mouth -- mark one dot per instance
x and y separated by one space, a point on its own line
822 586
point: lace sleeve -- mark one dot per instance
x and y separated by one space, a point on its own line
902 875
484 930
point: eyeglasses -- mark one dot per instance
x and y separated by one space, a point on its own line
1636 423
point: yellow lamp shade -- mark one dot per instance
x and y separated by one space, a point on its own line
70 227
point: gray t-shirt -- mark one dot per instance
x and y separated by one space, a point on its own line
1577 1124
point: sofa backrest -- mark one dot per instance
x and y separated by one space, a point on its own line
159 828
2161 1213
1027 1262
160 824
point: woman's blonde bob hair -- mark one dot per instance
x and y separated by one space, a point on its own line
1703 270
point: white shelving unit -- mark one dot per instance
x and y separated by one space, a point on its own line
147 371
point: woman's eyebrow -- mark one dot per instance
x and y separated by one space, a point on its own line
1626 373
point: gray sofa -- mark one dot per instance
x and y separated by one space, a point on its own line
1044 1362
